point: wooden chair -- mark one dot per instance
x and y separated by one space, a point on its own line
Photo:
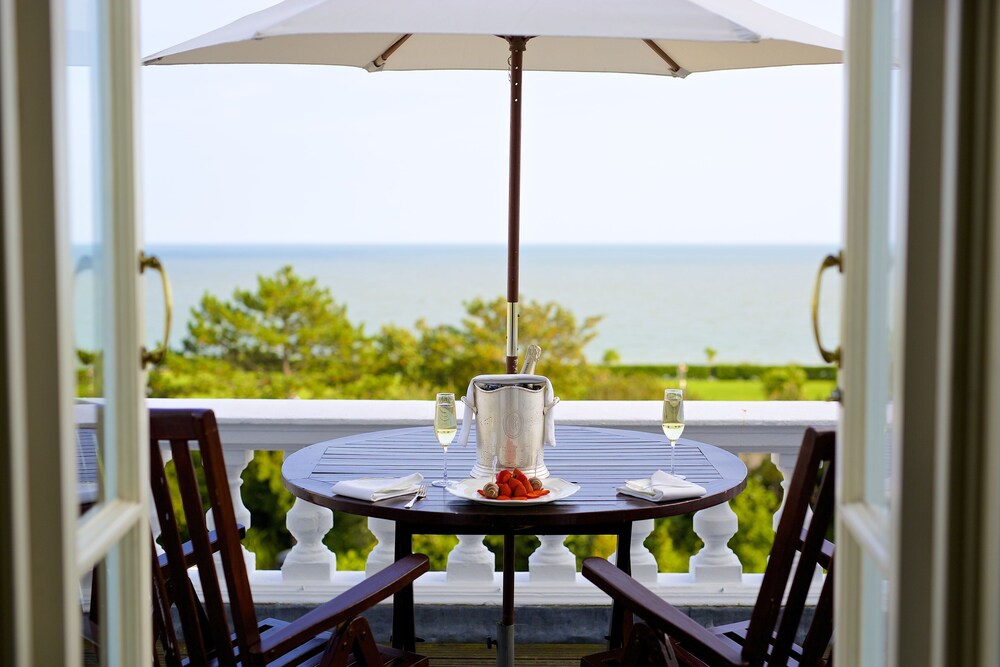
329 635
768 638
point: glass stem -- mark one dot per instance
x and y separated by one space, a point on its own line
445 478
673 443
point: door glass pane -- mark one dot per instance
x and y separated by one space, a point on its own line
93 590
888 159
875 612
86 146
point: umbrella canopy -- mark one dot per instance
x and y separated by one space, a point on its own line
660 37
667 37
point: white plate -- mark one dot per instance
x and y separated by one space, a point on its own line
469 489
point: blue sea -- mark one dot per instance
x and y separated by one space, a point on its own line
660 304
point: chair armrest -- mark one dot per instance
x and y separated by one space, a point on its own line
345 606
660 614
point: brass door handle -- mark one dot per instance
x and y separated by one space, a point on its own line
156 355
830 261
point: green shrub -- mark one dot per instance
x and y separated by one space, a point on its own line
784 384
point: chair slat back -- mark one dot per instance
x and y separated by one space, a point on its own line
206 630
767 642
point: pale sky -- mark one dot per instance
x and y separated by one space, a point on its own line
318 154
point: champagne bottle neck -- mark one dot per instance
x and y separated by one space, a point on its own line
531 359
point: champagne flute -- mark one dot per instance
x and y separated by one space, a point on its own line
445 426
673 419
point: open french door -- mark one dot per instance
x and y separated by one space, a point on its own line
74 418
873 264
918 532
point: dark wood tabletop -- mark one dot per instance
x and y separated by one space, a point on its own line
595 458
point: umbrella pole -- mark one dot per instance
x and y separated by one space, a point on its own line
517 45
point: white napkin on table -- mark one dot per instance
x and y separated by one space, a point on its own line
379 488
662 486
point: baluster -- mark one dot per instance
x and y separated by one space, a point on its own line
384 552
785 463
470 562
309 559
236 462
552 561
644 566
716 562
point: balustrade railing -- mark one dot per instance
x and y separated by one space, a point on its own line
309 572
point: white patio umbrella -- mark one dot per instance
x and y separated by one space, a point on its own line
661 37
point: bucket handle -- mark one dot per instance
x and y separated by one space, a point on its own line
547 407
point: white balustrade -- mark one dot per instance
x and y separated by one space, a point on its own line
384 551
552 562
311 568
470 562
309 559
785 463
642 561
236 462
716 563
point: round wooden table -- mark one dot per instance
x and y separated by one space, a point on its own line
597 459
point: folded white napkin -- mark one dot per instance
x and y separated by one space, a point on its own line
549 438
662 486
378 488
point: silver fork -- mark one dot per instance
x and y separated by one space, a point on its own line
421 492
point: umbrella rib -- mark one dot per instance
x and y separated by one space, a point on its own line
379 62
663 55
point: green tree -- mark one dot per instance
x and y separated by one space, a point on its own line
451 355
287 325
286 339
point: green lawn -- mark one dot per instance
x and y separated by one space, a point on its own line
750 390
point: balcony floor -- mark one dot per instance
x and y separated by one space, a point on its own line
533 655
475 655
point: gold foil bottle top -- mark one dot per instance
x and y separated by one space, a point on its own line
531 357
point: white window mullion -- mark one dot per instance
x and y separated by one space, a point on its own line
850 454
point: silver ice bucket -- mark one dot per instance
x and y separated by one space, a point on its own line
510 423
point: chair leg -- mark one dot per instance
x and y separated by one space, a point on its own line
354 638
648 648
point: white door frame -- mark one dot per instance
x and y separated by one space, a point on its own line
939 546
966 519
52 548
